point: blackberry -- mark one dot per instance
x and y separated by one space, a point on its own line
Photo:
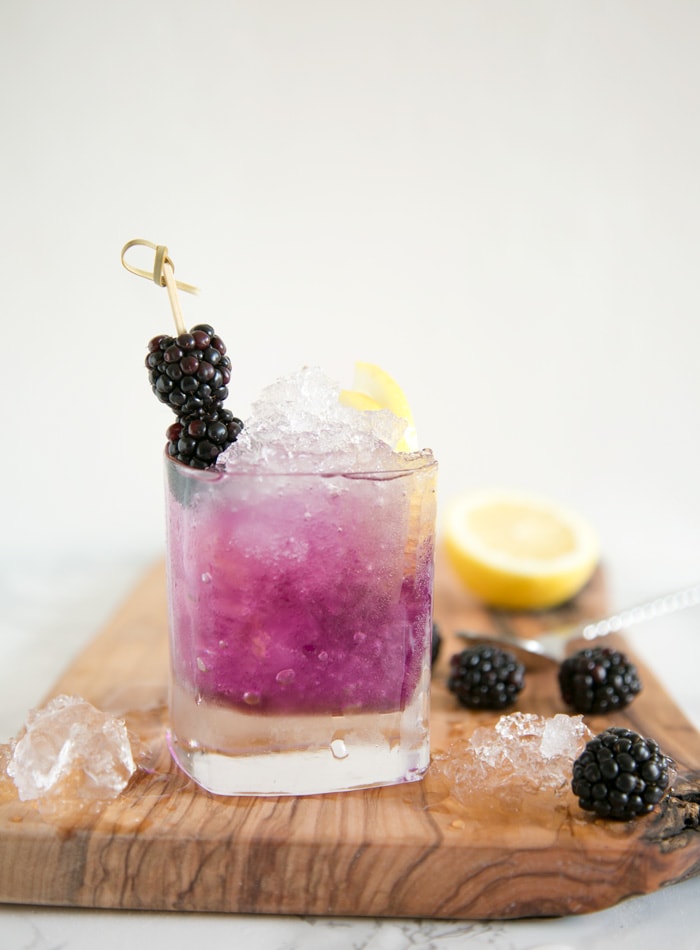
598 680
485 677
620 775
436 644
197 439
190 372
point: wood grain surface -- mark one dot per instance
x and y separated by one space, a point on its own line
417 850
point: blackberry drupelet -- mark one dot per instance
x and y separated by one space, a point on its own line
485 677
436 644
198 439
620 775
190 372
598 680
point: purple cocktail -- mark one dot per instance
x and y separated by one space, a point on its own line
300 581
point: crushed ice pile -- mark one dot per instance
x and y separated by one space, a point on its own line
69 751
298 424
521 750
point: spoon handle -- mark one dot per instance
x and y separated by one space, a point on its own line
671 603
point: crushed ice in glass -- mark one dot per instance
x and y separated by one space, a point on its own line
521 750
69 751
298 424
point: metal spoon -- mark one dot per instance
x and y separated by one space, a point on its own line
551 648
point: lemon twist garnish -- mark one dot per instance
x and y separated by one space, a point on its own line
373 389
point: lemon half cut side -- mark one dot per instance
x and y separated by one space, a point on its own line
373 388
518 551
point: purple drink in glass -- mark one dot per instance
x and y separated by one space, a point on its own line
301 618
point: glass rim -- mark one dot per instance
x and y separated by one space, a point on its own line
425 461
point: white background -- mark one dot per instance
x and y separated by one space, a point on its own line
498 201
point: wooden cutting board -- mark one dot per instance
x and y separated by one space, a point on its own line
417 850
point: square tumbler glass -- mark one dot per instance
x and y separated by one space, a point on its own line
300 613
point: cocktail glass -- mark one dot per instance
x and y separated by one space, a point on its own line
300 610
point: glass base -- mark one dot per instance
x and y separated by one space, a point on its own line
245 754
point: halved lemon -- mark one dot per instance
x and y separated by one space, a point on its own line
519 551
373 388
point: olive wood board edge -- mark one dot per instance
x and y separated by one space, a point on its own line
413 850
